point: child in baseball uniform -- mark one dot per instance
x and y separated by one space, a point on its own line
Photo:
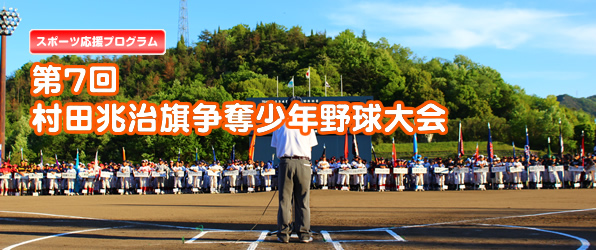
216 168
481 176
382 178
233 179
70 183
321 165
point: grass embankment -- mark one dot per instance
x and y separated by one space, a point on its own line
448 149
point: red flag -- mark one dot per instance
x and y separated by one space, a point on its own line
393 154
476 155
460 143
346 146
251 149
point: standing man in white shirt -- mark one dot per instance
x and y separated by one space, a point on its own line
294 152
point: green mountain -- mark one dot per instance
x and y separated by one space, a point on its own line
586 104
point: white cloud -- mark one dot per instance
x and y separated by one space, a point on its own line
459 27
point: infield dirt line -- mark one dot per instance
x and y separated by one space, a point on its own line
56 235
493 218
97 219
336 244
585 243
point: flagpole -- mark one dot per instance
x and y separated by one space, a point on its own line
76 167
341 80
415 146
459 143
549 153
325 85
309 81
277 85
527 147
393 153
214 158
583 149
562 147
293 95
489 146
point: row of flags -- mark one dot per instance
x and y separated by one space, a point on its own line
356 153
527 152
327 85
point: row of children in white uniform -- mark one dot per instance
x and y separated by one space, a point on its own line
511 173
148 177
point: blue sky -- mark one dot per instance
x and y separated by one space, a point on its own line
546 47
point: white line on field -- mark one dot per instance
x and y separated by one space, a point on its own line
396 236
254 245
56 235
585 243
196 237
327 238
496 218
463 221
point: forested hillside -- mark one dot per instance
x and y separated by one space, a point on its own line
242 62
586 104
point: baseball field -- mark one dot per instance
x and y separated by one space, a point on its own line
544 219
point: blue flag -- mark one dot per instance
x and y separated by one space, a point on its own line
214 158
415 147
489 146
77 161
513 145
233 156
178 154
76 167
291 83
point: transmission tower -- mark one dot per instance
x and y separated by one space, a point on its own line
183 23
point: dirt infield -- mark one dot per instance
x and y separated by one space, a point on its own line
556 219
